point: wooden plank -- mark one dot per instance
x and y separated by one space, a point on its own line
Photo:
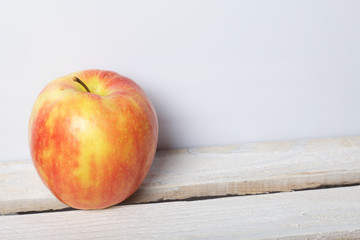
211 171
313 214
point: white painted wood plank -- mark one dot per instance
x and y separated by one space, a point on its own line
21 189
313 214
211 171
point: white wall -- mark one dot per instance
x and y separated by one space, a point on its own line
218 72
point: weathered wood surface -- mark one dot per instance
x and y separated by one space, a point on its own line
210 171
313 214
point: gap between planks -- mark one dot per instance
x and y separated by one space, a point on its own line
251 168
315 214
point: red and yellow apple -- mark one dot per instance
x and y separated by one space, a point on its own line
93 136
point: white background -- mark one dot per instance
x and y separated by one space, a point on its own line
218 72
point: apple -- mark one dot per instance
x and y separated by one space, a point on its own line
93 136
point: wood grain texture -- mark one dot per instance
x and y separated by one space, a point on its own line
21 189
313 214
210 171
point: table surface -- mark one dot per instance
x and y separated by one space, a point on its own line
209 192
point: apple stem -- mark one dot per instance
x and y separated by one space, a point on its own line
76 79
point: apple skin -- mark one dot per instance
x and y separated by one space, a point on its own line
93 150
